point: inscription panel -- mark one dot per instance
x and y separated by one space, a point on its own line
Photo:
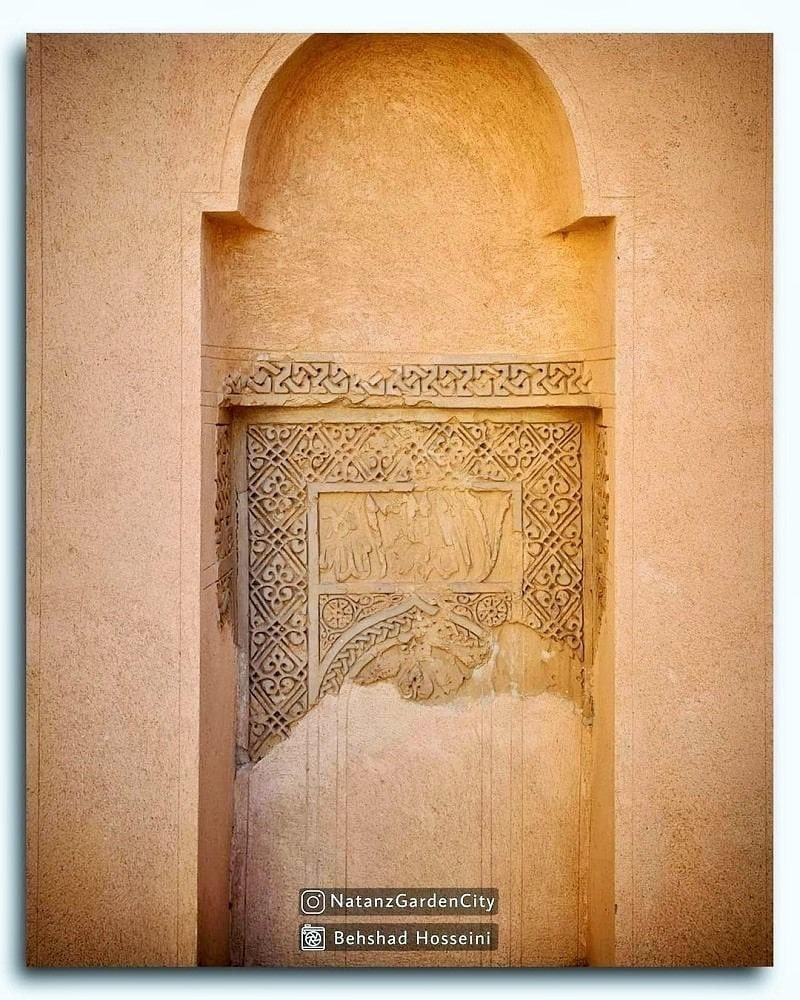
415 535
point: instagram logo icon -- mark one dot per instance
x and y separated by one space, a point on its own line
312 901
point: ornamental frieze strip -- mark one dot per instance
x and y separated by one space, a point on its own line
279 381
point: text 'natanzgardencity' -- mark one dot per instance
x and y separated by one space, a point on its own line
380 902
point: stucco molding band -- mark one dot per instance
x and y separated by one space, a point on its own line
500 382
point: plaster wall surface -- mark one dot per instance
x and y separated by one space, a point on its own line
124 134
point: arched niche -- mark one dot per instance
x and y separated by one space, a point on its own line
394 187
400 197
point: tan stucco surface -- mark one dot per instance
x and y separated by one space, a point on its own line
130 139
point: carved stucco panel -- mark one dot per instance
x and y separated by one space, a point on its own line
389 550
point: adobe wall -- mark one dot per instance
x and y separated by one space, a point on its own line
130 140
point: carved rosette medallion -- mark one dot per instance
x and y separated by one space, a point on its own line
337 612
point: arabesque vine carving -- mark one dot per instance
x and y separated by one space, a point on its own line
424 649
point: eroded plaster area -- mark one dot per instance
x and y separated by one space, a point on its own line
375 790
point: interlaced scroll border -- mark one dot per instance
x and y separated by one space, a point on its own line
283 459
434 380
224 531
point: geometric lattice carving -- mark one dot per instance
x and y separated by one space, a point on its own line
542 459
429 380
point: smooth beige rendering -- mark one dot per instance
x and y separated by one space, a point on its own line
392 287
